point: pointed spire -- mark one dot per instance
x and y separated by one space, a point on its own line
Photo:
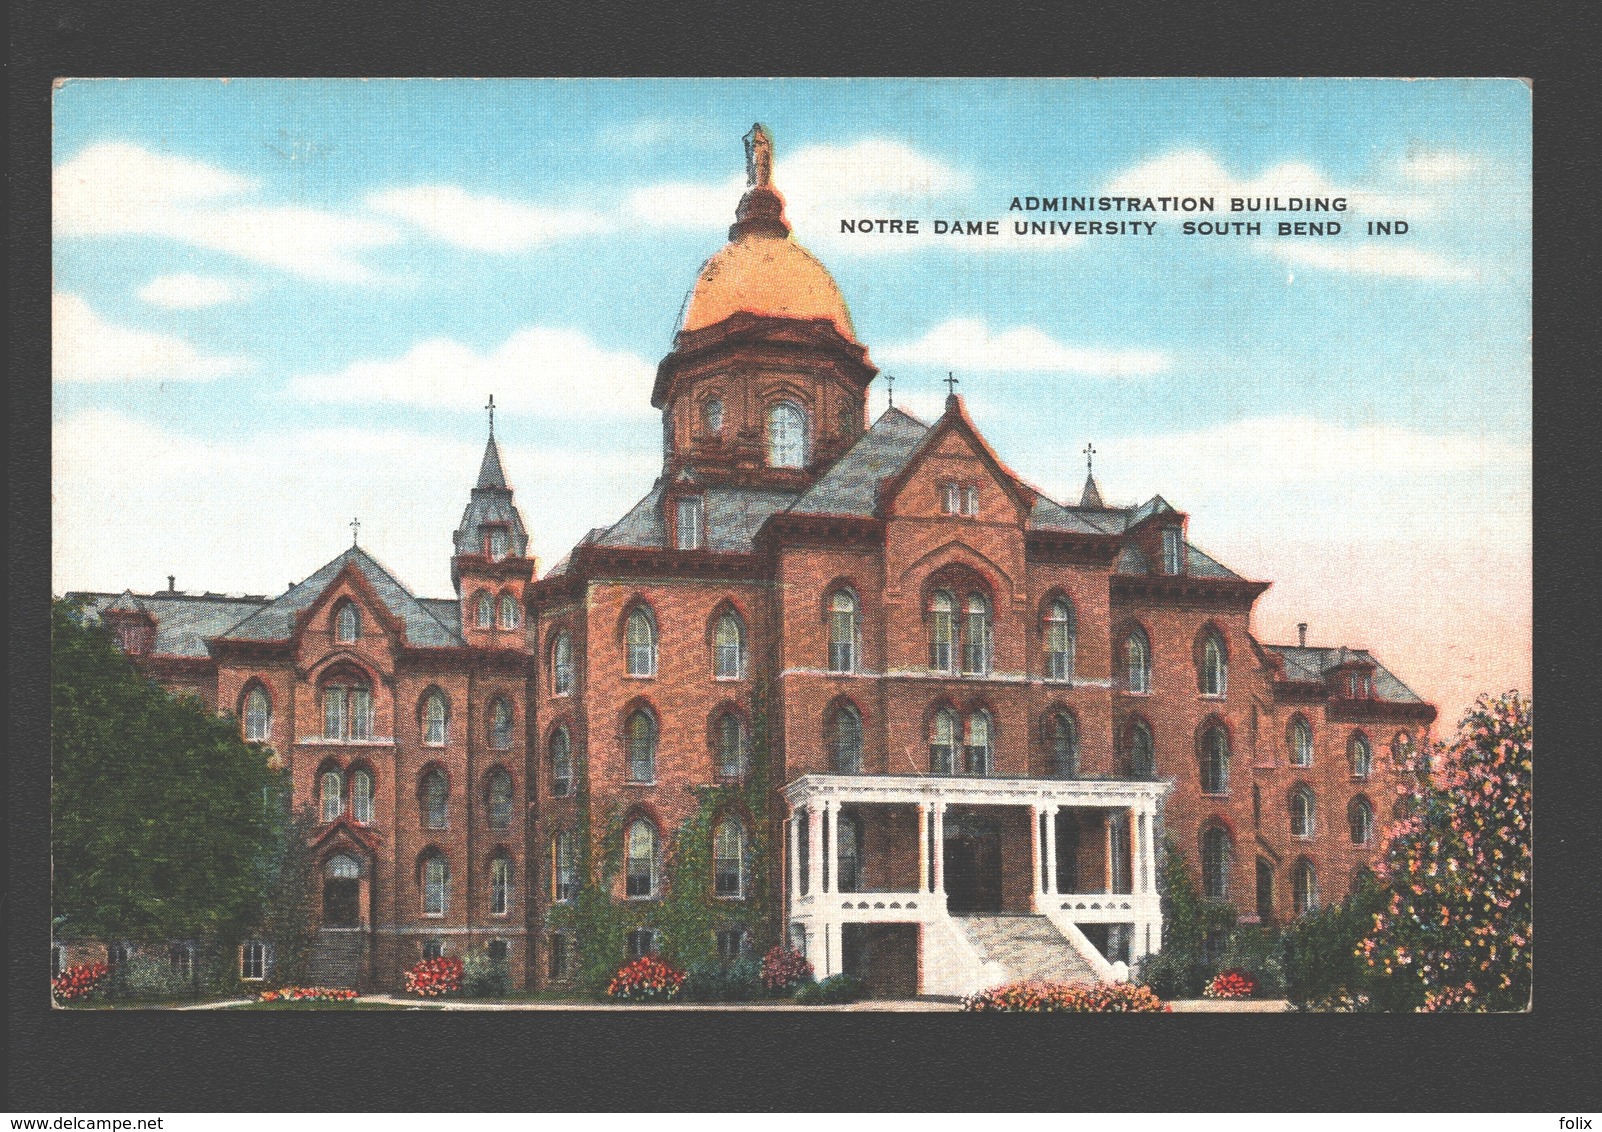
489 472
1091 496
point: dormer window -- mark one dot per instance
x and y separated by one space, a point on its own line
497 543
688 528
1359 686
1173 551
347 624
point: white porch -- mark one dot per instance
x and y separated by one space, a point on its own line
922 819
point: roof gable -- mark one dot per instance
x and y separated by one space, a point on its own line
851 485
955 425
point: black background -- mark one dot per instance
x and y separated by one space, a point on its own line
548 1061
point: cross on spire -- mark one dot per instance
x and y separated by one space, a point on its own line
890 388
355 531
952 381
1090 454
490 408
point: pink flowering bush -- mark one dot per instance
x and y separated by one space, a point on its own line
434 978
647 979
79 981
784 969
1047 996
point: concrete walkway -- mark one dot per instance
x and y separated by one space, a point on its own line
1230 1006
881 1005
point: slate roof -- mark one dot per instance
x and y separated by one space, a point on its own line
1311 665
851 485
1131 561
1156 505
732 516
446 610
1049 515
1203 565
182 622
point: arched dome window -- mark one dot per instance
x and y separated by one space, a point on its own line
1214 671
485 609
509 612
498 798
500 885
942 632
434 793
331 794
562 664
1142 751
1360 755
435 715
977 646
347 623
977 756
714 415
639 734
729 736
787 435
500 724
361 796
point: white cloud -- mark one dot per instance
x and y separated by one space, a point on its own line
186 291
1440 166
1375 259
968 344
563 373
118 189
86 348
485 223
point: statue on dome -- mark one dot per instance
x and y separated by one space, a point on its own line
758 156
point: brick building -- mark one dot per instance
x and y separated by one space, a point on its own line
982 709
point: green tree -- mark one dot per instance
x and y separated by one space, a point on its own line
1181 969
1457 924
164 823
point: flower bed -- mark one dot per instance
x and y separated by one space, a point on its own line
307 994
784 970
79 981
1043 996
647 979
434 978
1231 984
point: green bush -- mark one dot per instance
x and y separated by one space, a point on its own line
1258 952
483 977
1321 968
1182 969
836 990
149 977
712 981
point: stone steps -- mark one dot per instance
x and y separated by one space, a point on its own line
1030 947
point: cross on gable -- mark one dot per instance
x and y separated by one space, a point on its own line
490 408
1090 454
355 531
952 381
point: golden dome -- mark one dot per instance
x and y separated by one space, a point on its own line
765 274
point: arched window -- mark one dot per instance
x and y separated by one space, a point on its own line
1360 819
850 853
562 664
640 644
564 872
500 724
1215 761
943 742
640 736
845 740
1062 738
1214 669
729 734
434 793
1142 751
1215 863
842 632
508 611
498 798
561 763
436 883
728 647
500 885
1360 755
361 797
942 632
728 858
1059 639
1137 662
976 748
1301 743
485 609
258 716
1301 812
434 717
347 706
713 414
642 858
1304 887
976 650
332 794
347 623
787 435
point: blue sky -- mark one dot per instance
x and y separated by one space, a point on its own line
283 303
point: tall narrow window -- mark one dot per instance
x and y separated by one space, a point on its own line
842 632
1142 751
561 763
976 748
728 648
485 610
641 942
714 415
970 501
688 528
361 797
500 886
1265 891
1301 812
1301 743
1173 551
361 713
787 436
509 616
253 960
1215 762
436 884
500 729
1137 662
640 642
850 853
1063 739
640 736
564 873
1059 638
1361 756
728 858
498 799
434 793
1360 817
434 720
497 543
950 498
642 864
347 623
336 712
258 716
730 735
845 740
1214 671
333 794
976 649
1215 864
562 664
942 632
943 742
1304 887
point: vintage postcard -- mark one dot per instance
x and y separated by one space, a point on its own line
1054 545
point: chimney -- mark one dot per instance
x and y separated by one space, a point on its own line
1301 633
172 581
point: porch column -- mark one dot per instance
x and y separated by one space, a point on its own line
1107 851
937 852
1037 881
794 828
923 847
831 840
1051 850
814 848
1148 847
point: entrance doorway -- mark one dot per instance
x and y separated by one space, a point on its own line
972 864
342 893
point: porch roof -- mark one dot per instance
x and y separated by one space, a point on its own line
890 789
